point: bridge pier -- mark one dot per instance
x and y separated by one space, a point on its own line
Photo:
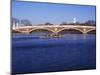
84 32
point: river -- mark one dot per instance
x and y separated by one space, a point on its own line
32 54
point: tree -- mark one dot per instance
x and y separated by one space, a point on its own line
14 21
26 22
63 23
77 23
71 23
90 22
47 23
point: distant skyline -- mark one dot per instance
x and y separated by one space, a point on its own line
40 13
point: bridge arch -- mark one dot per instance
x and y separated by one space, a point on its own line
44 29
91 30
76 29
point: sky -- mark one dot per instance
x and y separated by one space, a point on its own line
40 13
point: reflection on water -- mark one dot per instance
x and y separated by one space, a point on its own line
30 53
41 35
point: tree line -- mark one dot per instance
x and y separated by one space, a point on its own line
87 23
26 22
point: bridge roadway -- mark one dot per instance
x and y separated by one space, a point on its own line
53 28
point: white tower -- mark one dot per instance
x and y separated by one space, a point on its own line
14 25
17 25
74 20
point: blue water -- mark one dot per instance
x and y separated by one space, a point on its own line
72 52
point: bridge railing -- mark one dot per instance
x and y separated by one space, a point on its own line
42 26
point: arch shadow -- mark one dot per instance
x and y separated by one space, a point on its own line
91 32
16 31
41 30
70 31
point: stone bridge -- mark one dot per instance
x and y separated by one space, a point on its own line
53 28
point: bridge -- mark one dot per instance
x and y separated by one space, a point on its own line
56 29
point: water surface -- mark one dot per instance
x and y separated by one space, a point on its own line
31 54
